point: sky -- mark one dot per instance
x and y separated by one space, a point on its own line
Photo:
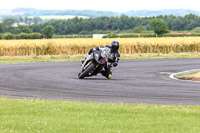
103 5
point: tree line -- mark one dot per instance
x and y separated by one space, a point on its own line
103 24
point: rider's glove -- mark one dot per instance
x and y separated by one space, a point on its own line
115 64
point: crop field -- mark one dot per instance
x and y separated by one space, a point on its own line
70 47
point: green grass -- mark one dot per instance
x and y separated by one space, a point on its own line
196 75
193 76
160 56
142 56
74 117
38 60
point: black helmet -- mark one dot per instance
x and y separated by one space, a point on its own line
114 45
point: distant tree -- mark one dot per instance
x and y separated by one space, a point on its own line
125 21
28 20
37 20
159 26
48 31
138 29
8 22
24 29
197 30
36 27
1 28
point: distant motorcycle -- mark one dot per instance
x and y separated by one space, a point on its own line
94 63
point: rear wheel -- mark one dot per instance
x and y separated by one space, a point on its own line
86 72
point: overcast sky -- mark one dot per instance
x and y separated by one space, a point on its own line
105 5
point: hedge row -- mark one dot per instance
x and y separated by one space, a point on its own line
112 35
10 36
72 36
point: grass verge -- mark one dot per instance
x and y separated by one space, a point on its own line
19 59
59 116
23 60
193 76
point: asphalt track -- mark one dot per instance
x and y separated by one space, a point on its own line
134 81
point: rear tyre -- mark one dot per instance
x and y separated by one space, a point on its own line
86 71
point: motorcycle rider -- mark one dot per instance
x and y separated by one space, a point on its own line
113 57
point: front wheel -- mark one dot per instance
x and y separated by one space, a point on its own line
81 75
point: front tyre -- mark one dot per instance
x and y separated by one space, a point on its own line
86 71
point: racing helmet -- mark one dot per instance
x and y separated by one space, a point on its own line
114 45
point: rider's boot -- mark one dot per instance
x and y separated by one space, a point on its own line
107 75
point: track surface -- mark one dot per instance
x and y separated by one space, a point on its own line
134 81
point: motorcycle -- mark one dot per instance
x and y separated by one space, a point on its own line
94 63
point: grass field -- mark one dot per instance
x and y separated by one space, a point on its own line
58 116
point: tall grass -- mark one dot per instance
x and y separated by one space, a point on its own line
81 46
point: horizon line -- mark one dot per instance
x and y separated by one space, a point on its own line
99 10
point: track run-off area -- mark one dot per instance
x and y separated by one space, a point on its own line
141 81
